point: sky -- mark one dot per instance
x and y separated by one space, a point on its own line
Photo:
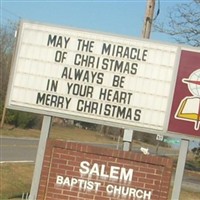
119 17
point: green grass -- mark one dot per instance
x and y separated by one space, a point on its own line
59 132
15 179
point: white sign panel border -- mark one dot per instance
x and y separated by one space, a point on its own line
46 58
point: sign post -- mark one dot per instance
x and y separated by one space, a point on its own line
180 169
46 126
127 139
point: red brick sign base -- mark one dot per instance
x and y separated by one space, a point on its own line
73 171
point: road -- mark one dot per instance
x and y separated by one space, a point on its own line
18 149
25 150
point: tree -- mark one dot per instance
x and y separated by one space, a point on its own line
196 152
183 23
7 41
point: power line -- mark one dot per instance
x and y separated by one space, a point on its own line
11 13
158 11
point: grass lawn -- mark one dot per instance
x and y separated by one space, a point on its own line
15 179
58 132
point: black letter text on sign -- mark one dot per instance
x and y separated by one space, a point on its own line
118 81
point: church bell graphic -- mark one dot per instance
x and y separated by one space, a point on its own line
189 107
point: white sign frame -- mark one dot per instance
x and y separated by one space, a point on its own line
154 56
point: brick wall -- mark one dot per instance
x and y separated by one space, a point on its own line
61 178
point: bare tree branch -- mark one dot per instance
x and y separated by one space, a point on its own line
183 23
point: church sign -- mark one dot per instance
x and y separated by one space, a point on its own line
90 76
185 114
105 79
72 170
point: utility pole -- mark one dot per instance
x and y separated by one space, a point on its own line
128 134
184 143
148 18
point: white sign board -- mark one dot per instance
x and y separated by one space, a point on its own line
92 77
